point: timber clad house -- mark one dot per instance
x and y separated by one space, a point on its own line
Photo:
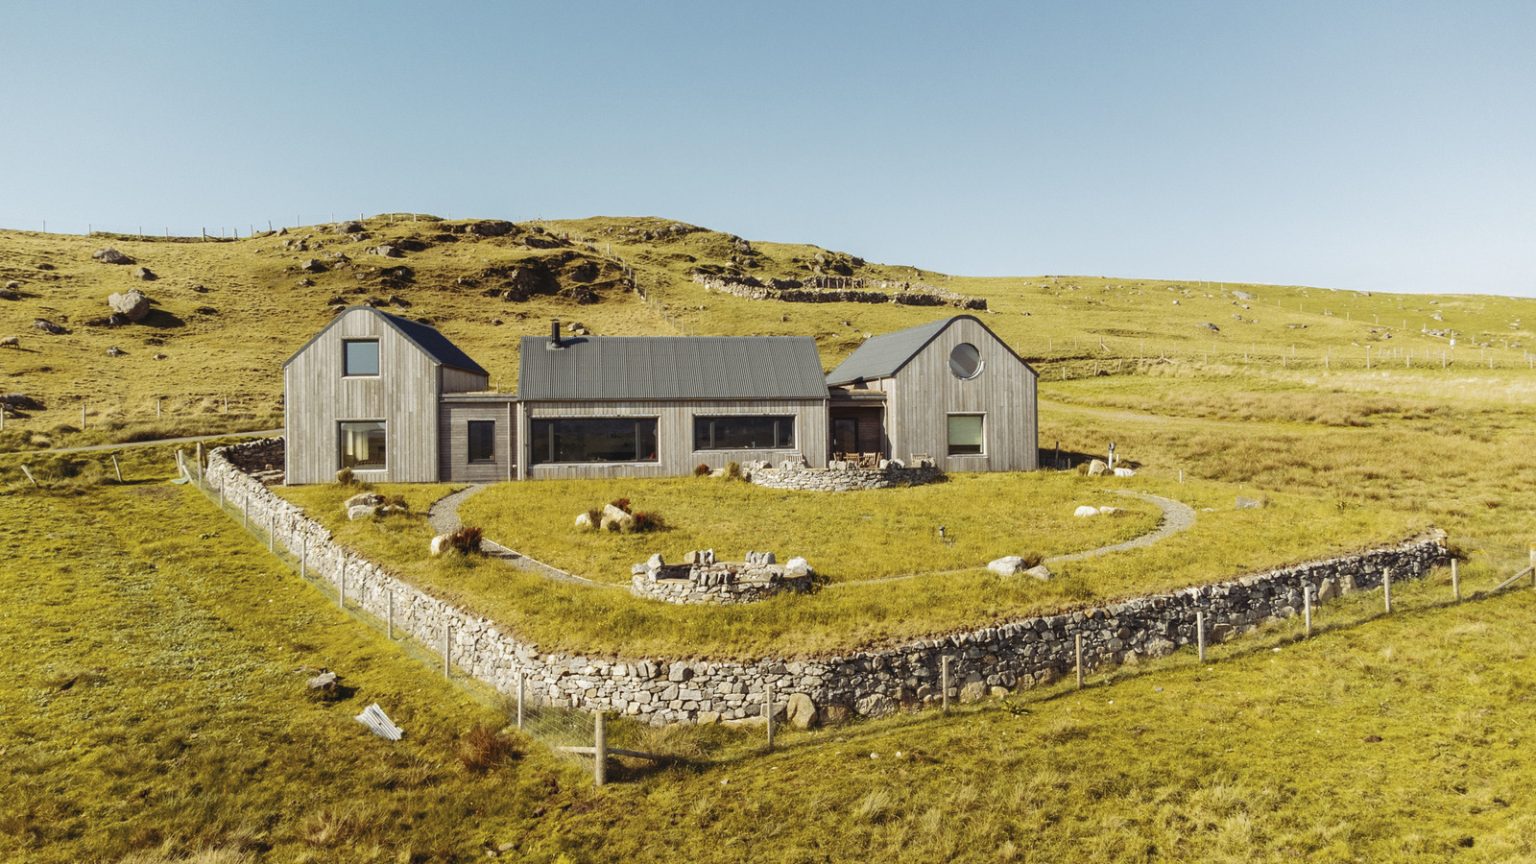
396 401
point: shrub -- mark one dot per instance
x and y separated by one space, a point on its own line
701 470
1032 559
647 522
466 540
483 748
733 471
621 503
344 477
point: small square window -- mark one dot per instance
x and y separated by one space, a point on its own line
482 441
965 435
360 357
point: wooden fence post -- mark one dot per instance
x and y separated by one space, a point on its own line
1200 634
27 471
447 669
1078 652
1306 609
118 469
522 686
1455 581
1386 589
599 749
944 684
768 712
304 557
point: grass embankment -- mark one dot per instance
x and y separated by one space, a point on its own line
1225 542
155 709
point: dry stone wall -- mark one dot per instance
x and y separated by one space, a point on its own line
843 478
1011 655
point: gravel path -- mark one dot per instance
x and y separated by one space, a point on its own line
443 516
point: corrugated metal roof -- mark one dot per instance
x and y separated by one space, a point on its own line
881 356
671 367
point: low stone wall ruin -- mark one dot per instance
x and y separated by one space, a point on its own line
843 477
837 289
1009 655
719 583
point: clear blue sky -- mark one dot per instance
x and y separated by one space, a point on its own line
1379 146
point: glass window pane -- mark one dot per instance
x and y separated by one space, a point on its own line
362 444
595 440
743 433
482 440
965 436
965 361
360 357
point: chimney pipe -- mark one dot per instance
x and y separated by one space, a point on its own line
554 332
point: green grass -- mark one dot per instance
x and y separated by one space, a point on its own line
846 537
155 711
852 612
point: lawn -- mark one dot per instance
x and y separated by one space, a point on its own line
852 613
847 537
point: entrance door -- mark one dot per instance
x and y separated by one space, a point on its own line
845 435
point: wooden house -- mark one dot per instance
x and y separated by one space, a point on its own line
395 401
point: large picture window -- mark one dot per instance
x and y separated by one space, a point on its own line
594 439
743 433
360 357
362 444
965 434
482 441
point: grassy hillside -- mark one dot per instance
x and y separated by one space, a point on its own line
227 313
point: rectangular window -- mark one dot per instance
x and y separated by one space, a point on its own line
593 439
362 444
482 441
743 433
360 357
965 436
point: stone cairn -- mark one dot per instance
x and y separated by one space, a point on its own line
700 579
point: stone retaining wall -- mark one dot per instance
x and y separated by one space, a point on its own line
1011 655
843 479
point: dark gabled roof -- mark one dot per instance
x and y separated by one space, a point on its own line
670 367
424 336
883 356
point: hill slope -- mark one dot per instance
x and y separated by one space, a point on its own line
227 313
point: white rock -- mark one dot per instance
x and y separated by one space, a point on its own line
1109 511
584 522
439 545
1006 565
1097 467
797 566
1041 572
655 562
361 511
1085 511
1125 472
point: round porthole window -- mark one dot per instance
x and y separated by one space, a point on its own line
965 361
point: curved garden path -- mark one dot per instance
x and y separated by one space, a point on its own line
443 516
1177 516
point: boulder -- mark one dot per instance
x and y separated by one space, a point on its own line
363 499
111 256
312 265
1109 511
11 342
45 326
324 684
386 251
584 522
1040 572
1085 511
145 274
801 711
1242 295
363 511
1211 327
831 715
655 562
973 691
1007 565
114 351
875 705
440 545
1097 467
1125 472
797 566
349 227
1248 503
615 519
132 304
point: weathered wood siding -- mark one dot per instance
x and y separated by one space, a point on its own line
453 440
404 395
674 435
460 381
922 395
